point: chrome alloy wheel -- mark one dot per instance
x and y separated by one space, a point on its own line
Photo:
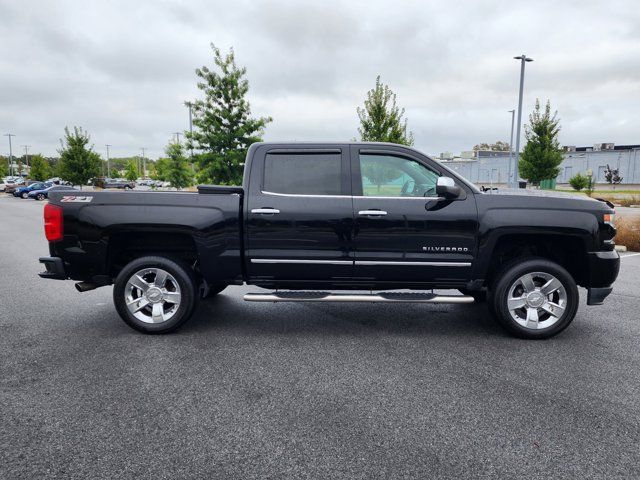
152 295
537 300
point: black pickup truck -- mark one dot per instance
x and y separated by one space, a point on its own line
320 222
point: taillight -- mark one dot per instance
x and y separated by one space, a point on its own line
53 222
610 218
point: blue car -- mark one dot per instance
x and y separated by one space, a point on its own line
24 191
43 194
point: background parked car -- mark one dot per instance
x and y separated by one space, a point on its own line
6 180
23 191
44 193
11 185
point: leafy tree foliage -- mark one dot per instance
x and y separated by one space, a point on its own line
131 172
162 169
40 169
178 172
612 175
381 119
542 155
4 166
223 126
78 162
499 146
579 181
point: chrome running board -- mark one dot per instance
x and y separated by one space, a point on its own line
389 297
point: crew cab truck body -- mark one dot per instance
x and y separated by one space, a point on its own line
344 217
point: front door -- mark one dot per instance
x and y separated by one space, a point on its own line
404 234
300 216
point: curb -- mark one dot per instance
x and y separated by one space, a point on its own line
621 248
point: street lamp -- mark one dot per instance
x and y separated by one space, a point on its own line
190 105
510 180
523 59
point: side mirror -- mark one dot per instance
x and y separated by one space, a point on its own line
446 187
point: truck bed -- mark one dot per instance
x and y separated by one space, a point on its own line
98 223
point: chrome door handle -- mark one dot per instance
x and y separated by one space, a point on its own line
372 212
265 211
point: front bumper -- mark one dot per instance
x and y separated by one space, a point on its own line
54 268
603 271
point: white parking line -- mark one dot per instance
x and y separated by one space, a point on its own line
629 255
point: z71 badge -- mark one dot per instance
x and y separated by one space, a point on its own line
74 198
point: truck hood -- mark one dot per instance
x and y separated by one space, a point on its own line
522 198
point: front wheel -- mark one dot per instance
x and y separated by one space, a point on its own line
155 294
534 298
40 196
24 195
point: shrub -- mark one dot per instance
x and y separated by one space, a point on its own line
579 181
628 233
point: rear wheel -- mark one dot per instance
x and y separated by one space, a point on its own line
24 195
40 196
155 294
534 298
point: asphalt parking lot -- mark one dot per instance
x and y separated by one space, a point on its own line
306 390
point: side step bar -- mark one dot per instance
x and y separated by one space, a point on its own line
389 297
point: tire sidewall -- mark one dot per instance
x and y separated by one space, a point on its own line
515 270
186 281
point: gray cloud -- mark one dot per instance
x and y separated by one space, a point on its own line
123 69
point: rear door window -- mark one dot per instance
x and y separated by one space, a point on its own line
303 173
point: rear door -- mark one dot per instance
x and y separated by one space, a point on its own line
300 216
405 235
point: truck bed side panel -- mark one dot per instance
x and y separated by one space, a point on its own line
212 221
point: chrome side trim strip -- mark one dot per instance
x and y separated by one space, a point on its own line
360 262
316 262
304 195
426 264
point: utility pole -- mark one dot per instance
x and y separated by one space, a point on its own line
523 59
177 134
10 153
26 153
510 182
144 163
108 164
190 105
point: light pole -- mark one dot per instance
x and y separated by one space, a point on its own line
523 59
177 134
144 163
10 152
108 164
511 182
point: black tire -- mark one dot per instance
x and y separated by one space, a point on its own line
213 291
479 296
508 277
40 196
185 279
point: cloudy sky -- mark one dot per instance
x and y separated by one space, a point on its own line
122 70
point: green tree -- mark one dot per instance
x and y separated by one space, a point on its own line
40 169
178 172
381 119
223 126
542 155
499 146
4 166
162 169
579 181
78 162
131 172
